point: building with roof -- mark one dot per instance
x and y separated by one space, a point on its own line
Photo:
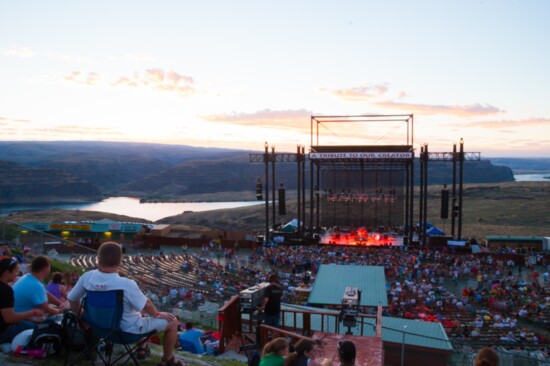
521 244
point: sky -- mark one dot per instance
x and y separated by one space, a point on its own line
238 73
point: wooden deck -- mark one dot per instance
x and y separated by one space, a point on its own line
369 349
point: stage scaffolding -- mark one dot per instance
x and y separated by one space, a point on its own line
362 185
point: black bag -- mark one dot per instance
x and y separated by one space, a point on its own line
48 337
254 359
75 339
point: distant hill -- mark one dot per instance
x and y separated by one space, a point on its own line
160 171
524 164
19 184
234 174
474 172
106 165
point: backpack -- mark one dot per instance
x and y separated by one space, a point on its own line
75 338
254 359
48 337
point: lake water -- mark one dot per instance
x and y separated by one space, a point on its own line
532 177
130 206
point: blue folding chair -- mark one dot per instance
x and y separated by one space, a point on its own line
103 313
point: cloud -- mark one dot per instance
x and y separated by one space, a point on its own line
74 130
362 92
528 122
67 58
130 57
476 109
159 80
4 121
18 52
78 77
296 119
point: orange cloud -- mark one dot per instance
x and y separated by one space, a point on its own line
77 77
529 122
362 92
456 110
160 80
296 119
18 52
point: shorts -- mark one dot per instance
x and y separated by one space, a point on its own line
151 324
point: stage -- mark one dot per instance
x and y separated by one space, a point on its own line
360 237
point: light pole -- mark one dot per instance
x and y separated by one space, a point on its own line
403 346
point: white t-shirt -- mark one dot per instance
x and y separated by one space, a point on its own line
134 299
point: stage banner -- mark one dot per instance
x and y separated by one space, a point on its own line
361 155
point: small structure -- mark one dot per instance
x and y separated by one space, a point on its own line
521 244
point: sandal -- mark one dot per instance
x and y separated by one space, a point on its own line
172 362
143 352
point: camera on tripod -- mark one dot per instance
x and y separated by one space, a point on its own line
251 298
351 301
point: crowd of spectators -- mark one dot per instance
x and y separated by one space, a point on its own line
482 297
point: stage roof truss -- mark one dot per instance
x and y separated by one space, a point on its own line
406 119
448 156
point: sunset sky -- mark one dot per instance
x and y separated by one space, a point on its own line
238 73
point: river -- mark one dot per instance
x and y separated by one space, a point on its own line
532 177
130 206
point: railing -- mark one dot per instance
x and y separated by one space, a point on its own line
326 327
229 322
464 355
266 329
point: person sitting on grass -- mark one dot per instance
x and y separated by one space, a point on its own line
274 352
30 291
12 323
106 278
56 287
190 340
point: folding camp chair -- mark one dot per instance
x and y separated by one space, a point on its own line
103 313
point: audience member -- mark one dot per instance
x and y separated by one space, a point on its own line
56 287
30 291
272 302
106 278
304 352
486 357
190 340
346 352
274 352
12 322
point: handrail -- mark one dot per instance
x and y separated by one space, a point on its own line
265 329
229 322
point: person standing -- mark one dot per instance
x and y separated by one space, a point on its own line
271 303
11 322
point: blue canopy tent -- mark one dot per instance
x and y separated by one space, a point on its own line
435 231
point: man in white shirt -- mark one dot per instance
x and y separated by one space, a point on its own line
106 278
